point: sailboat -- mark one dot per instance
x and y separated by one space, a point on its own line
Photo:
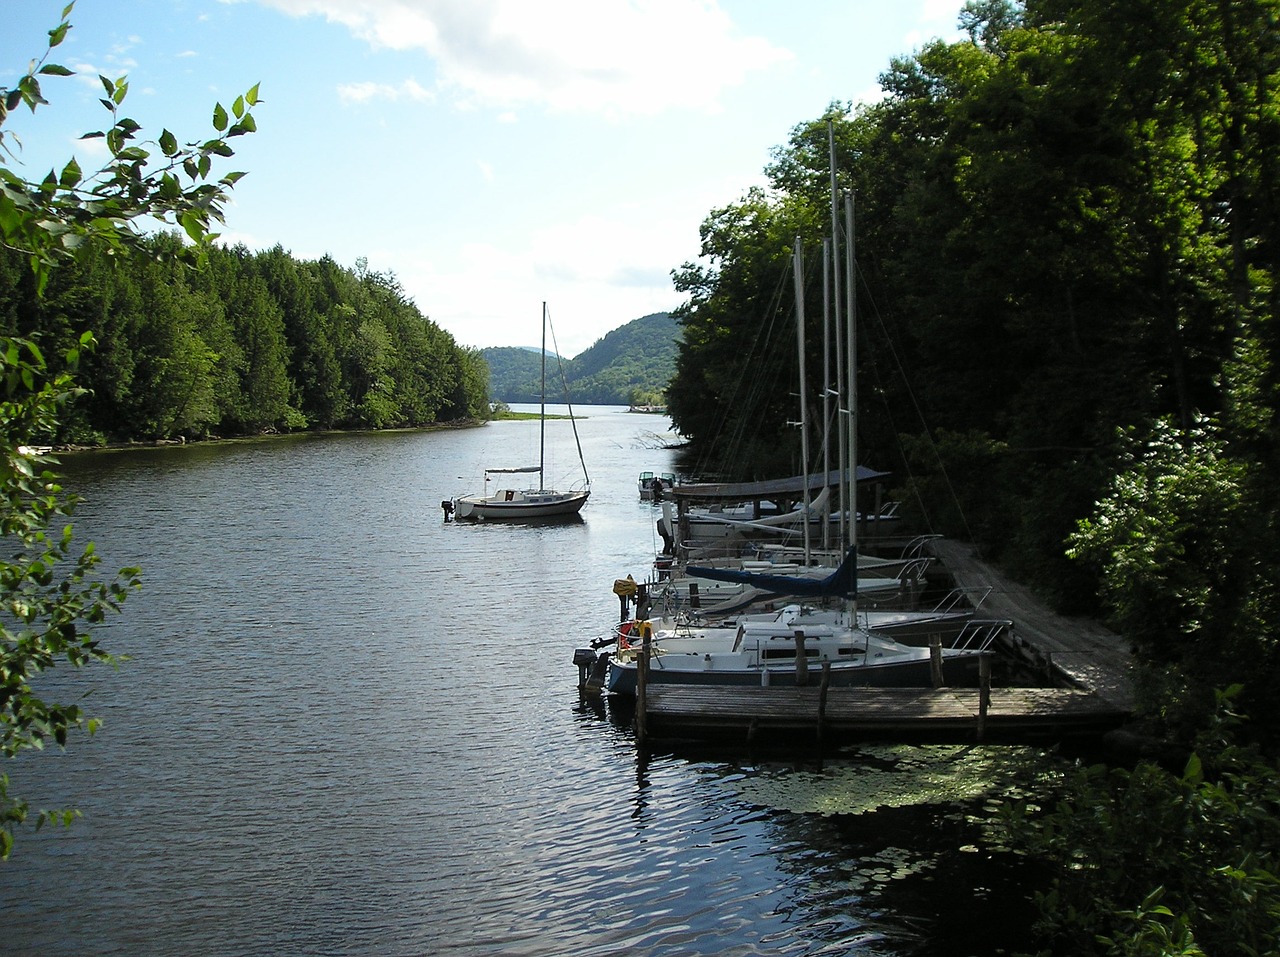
514 504
764 650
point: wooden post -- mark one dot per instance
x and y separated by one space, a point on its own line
802 661
935 659
822 699
984 693
642 687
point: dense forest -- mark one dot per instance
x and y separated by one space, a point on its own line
243 343
1066 230
1067 238
630 365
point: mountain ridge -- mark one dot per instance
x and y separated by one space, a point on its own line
629 365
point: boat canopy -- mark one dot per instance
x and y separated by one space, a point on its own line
748 491
523 468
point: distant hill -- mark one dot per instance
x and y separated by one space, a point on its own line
636 359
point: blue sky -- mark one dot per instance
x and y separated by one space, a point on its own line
491 154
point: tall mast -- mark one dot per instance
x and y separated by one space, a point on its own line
845 507
851 321
798 269
542 416
826 382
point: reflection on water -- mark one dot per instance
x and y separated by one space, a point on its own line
348 727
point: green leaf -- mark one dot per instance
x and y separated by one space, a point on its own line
71 174
53 69
220 118
168 143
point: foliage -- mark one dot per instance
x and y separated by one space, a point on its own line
52 219
1150 862
48 601
637 356
1182 560
1067 230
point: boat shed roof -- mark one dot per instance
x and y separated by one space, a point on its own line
771 488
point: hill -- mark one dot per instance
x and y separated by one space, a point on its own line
633 362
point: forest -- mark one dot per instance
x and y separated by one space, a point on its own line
241 344
1067 237
1067 245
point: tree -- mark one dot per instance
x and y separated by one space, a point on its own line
48 600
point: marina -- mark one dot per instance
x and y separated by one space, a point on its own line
1084 685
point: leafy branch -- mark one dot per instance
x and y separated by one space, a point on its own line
159 180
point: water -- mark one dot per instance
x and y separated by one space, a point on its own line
349 728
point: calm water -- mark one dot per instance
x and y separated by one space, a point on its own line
348 727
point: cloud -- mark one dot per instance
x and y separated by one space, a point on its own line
363 92
612 57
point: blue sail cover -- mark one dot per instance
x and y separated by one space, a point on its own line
843 582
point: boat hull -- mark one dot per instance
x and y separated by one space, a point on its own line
957 671
517 505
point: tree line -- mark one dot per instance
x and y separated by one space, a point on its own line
244 343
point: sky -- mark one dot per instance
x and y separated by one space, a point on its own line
492 155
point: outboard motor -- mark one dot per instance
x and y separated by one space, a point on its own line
447 506
592 669
584 658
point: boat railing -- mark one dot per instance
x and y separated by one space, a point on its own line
980 634
915 548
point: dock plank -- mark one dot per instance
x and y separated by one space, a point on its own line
1082 650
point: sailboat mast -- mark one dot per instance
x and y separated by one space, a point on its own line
826 383
542 415
798 269
846 510
851 322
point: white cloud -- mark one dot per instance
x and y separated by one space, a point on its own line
363 92
614 57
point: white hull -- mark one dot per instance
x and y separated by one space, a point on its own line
513 505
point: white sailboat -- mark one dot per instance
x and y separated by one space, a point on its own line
763 650
515 504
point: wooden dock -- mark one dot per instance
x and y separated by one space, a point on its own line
952 714
1089 668
1078 651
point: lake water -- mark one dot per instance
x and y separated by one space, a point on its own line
349 728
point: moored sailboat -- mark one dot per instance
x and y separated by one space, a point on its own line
514 504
